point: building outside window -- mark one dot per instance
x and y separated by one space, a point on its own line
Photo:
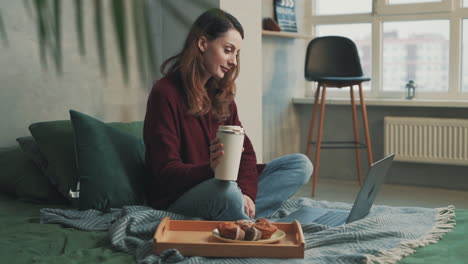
401 40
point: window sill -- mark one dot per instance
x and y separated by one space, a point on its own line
389 102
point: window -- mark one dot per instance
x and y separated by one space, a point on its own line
401 40
399 2
465 56
392 7
418 47
335 7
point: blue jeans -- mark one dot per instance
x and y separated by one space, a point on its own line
223 200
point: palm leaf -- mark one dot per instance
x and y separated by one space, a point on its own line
57 26
27 6
3 34
79 25
139 37
48 17
118 14
149 42
41 30
100 39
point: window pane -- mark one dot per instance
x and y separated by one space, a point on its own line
360 34
336 7
399 2
465 56
465 3
416 50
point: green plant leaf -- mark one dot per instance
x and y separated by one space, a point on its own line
57 25
139 37
149 42
79 26
100 38
3 33
28 8
118 14
39 6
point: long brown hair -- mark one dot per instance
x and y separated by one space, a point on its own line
188 66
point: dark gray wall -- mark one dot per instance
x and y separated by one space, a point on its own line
341 164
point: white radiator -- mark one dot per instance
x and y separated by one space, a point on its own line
428 140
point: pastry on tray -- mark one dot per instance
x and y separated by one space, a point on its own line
231 231
247 230
265 227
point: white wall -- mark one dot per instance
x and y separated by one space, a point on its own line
249 83
283 78
30 93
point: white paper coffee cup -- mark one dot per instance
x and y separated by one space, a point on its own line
232 137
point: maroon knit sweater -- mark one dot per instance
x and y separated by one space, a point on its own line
177 146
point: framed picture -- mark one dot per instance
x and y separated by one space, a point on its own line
285 15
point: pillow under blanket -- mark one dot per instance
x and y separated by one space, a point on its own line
21 178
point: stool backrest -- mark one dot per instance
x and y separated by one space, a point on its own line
332 56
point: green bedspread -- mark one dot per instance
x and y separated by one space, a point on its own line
452 249
24 240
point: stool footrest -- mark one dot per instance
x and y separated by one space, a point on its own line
340 144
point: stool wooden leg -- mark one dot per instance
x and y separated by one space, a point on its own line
319 141
366 127
356 135
312 122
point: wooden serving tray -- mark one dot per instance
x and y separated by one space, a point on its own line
194 238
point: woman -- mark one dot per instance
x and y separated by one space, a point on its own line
184 111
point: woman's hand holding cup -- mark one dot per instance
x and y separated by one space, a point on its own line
216 153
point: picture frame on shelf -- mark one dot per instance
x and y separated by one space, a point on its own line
285 15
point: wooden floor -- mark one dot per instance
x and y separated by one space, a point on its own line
389 194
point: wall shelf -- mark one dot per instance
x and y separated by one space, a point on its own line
285 34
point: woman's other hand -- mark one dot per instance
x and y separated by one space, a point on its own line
249 206
216 153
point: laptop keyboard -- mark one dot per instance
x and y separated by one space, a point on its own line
333 218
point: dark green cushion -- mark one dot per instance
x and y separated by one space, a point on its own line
111 164
31 148
55 140
20 177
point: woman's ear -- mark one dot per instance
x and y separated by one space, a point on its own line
202 44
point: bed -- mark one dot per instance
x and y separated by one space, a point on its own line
24 240
27 186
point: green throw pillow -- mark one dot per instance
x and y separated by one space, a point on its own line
55 140
20 177
56 143
111 164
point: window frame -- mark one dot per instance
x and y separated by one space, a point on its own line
455 17
383 8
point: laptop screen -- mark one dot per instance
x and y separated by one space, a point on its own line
366 196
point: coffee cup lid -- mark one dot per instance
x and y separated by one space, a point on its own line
236 129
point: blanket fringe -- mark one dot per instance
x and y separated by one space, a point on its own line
445 222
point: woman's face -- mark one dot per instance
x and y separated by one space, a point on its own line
220 54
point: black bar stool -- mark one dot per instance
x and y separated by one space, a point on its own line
333 62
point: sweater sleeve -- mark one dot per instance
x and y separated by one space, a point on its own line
162 138
248 173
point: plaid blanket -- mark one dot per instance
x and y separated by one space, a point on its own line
385 236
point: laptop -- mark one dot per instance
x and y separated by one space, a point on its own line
361 207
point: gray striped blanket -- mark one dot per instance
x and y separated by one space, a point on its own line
386 235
